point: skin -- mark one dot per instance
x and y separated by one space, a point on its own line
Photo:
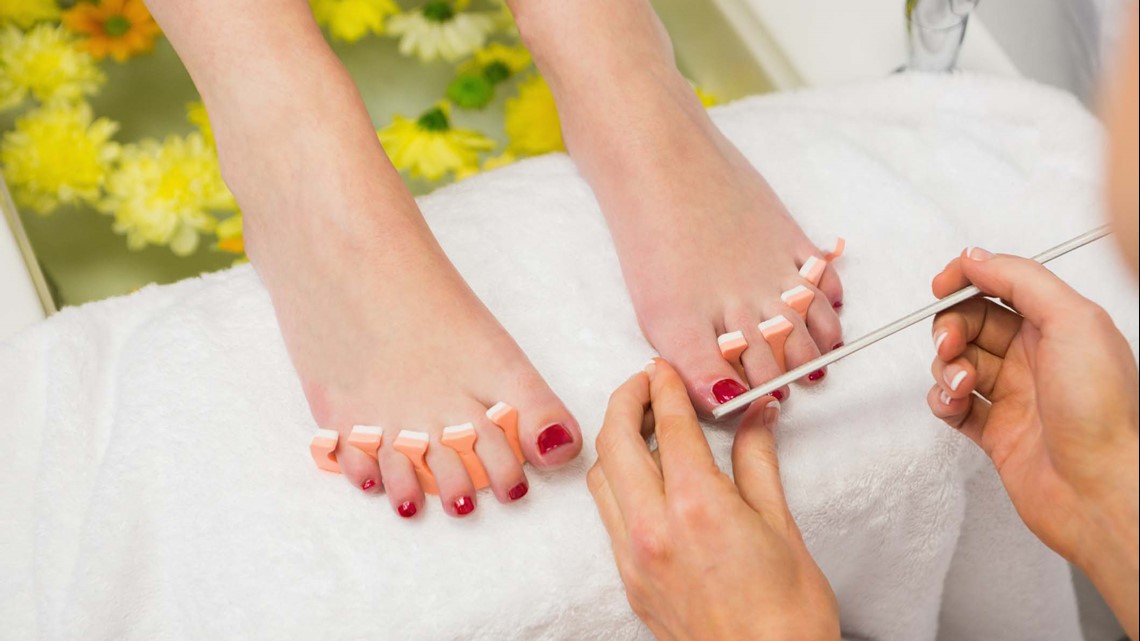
1049 392
666 512
367 310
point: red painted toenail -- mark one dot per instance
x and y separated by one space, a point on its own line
518 491
553 437
837 304
464 505
837 346
368 485
727 389
407 509
778 395
817 374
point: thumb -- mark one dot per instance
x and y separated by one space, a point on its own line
1034 291
755 467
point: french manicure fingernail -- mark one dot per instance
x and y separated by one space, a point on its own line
954 379
727 389
772 412
939 338
944 397
464 505
518 491
553 437
407 509
817 375
367 485
977 253
650 367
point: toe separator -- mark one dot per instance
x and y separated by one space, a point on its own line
798 298
323 449
775 332
507 418
812 271
414 445
732 345
840 245
366 438
461 438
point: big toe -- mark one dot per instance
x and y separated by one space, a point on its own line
693 349
548 434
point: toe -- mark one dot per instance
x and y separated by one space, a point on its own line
456 492
360 469
400 483
832 287
800 346
508 481
759 361
691 347
823 323
548 434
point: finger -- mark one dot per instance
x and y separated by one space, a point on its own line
1035 292
607 504
755 465
630 472
967 415
685 453
975 369
984 322
949 280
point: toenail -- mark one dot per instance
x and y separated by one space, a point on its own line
837 346
778 395
727 389
553 437
817 374
518 491
368 485
464 505
407 509
837 304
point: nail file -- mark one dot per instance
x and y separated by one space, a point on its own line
892 328
461 438
732 345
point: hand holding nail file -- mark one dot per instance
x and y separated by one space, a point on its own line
892 328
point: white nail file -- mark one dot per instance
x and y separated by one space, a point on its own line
892 328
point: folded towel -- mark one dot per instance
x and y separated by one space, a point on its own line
158 485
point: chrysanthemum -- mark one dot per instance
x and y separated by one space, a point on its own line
44 63
25 13
118 28
532 120
429 147
161 193
351 20
706 98
196 114
498 61
57 155
230 236
437 30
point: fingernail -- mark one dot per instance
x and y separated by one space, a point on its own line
464 505
778 395
772 412
977 253
954 377
939 338
944 397
727 389
553 437
651 367
518 491
407 509
368 485
817 374
837 346
837 304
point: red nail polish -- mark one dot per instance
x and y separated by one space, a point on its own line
553 437
817 374
727 389
837 304
837 346
778 395
518 491
407 509
368 485
464 505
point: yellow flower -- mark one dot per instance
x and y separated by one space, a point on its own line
44 63
498 61
25 13
196 114
230 237
351 20
437 30
532 120
706 98
56 155
502 160
119 28
161 193
429 147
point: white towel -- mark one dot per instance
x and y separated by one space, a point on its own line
157 484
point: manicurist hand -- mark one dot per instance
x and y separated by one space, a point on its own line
703 557
1056 410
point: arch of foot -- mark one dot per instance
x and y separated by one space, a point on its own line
414 445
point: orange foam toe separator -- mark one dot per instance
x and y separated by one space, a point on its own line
812 270
840 245
775 332
461 438
798 298
732 345
366 438
414 445
507 418
323 449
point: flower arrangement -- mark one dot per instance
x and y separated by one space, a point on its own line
59 153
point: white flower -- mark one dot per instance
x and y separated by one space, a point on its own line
438 31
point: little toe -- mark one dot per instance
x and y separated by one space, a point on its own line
400 483
456 492
693 350
548 434
358 468
823 323
508 480
832 287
